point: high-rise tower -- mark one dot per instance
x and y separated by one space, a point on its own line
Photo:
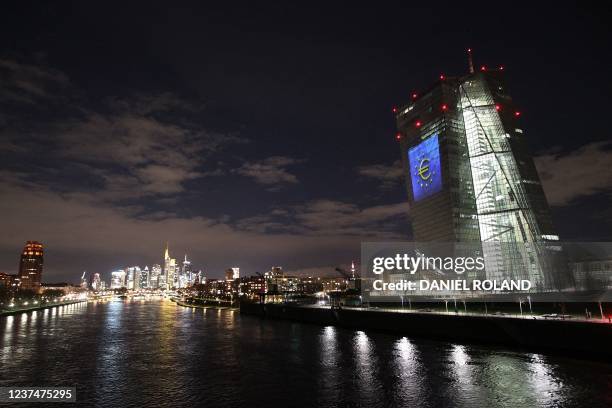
31 266
185 277
169 269
471 178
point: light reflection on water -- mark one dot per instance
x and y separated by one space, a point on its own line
409 372
330 354
545 386
150 353
366 367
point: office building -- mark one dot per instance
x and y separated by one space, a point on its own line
118 279
154 277
170 270
471 178
31 266
96 283
143 282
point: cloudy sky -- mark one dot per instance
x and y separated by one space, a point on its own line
258 136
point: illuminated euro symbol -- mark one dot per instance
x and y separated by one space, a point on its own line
423 169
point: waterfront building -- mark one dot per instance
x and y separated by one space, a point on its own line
252 286
8 281
310 285
143 282
154 277
592 274
471 179
232 273
133 277
31 266
118 279
67 288
336 284
84 280
96 283
273 278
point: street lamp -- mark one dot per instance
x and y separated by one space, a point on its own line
529 300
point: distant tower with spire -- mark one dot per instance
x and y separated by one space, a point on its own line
186 275
169 268
470 61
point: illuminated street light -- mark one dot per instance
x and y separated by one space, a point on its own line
529 300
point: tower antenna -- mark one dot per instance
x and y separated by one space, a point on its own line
470 62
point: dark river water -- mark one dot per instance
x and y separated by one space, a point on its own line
154 353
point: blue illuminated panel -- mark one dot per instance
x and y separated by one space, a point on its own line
425 174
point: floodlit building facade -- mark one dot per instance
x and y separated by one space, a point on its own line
471 178
31 266
169 270
118 279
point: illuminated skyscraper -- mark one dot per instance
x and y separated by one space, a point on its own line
133 277
471 178
185 277
95 282
117 279
154 278
232 273
31 266
169 269
144 277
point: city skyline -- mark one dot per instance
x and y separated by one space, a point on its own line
297 204
31 265
106 154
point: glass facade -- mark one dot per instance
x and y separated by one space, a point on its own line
491 190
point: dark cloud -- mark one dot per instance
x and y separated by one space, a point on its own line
271 171
584 172
111 183
332 218
26 83
124 146
389 176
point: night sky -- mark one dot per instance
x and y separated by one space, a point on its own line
254 135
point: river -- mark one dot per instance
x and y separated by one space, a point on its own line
155 353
